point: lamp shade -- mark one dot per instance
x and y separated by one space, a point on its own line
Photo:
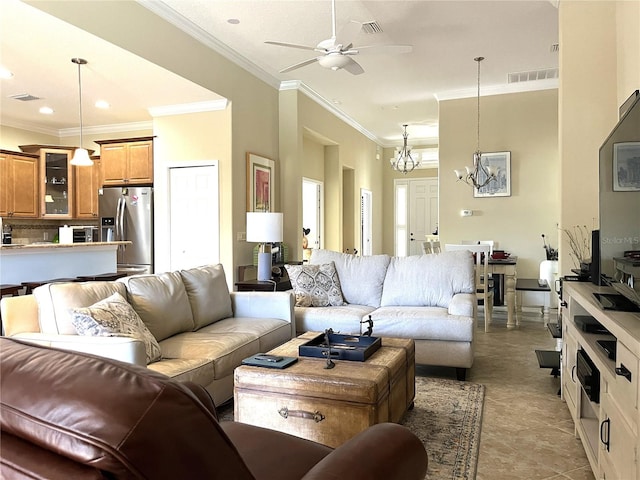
81 158
264 227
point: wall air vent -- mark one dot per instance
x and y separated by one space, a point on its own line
371 28
533 75
24 97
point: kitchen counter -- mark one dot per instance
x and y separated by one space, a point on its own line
46 261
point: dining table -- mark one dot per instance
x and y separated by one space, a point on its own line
507 268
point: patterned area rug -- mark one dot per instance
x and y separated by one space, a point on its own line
447 417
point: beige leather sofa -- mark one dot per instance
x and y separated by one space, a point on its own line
429 298
203 330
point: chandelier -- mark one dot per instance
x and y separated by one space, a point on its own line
404 162
479 175
81 155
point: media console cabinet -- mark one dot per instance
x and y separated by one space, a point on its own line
600 392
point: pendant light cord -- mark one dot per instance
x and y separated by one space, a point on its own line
478 59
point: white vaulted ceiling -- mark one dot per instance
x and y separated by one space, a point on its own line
514 36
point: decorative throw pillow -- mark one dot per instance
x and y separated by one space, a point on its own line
114 317
316 285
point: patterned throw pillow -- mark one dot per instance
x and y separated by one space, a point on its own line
316 285
114 317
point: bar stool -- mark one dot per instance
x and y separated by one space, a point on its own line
102 277
34 284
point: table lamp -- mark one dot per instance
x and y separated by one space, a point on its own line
264 228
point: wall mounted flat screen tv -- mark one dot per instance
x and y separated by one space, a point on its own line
620 209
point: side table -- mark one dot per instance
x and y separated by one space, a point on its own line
277 285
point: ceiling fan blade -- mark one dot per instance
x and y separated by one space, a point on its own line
353 67
300 64
383 49
292 45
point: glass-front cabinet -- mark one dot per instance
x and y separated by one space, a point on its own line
56 187
56 171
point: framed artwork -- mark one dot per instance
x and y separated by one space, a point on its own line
501 185
260 183
626 167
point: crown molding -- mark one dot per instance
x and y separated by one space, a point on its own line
31 127
518 87
323 102
174 18
102 129
196 107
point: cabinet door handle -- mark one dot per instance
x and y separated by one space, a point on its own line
623 372
573 369
602 428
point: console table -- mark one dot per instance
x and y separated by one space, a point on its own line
507 267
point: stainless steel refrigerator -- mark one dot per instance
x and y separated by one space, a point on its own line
126 213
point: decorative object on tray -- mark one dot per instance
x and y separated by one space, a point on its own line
330 363
369 323
340 347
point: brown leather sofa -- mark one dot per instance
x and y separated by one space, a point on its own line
68 415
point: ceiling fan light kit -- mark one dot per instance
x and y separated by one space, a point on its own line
336 54
479 175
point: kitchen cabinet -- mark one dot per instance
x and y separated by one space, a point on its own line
608 422
19 180
127 161
56 186
87 183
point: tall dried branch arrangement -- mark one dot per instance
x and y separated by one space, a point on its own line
579 237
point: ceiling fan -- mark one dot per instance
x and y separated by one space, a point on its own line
337 53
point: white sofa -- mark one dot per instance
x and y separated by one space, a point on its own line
429 298
203 330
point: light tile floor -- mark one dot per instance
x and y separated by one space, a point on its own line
527 431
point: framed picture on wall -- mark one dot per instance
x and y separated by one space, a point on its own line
626 167
501 185
260 183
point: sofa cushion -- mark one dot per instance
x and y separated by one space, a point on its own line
315 285
161 301
361 278
422 323
208 294
55 301
114 317
428 280
345 319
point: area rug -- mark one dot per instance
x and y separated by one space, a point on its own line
447 417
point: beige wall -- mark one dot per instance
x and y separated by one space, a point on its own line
191 139
344 148
599 69
524 124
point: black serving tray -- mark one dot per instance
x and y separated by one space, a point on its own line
343 347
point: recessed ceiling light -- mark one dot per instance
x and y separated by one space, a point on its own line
46 110
233 21
102 104
5 73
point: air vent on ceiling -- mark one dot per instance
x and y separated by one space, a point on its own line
533 75
24 97
371 28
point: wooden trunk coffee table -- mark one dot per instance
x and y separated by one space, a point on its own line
327 406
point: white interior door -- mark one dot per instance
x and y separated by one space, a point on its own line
416 213
312 211
366 222
194 216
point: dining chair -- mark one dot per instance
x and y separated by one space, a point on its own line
484 292
492 243
431 246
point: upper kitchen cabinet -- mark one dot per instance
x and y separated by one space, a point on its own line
88 181
56 187
127 161
19 180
